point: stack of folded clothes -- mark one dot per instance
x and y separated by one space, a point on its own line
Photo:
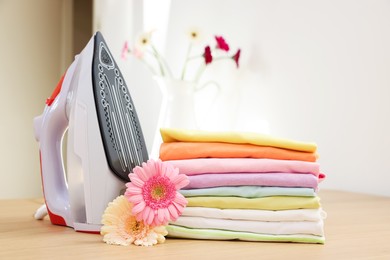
246 186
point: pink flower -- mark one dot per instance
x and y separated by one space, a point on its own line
208 58
125 50
221 43
236 57
153 191
138 52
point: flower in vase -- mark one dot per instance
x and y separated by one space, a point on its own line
194 35
146 51
208 58
144 40
125 50
221 43
120 227
154 192
236 57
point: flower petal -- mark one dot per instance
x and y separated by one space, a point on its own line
167 215
221 43
132 190
180 181
151 217
138 207
171 171
137 181
147 211
164 170
115 239
161 215
180 199
173 211
236 57
208 57
178 206
141 173
150 166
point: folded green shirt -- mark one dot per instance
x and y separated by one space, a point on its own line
196 233
249 191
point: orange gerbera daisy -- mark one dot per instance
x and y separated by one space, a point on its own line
120 226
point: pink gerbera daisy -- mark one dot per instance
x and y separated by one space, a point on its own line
154 192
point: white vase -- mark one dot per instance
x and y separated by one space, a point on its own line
178 104
177 108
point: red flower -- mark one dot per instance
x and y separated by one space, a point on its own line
208 58
236 57
221 44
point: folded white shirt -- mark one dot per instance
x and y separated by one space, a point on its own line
262 227
256 215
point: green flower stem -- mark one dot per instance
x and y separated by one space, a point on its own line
161 62
158 58
194 57
185 63
150 67
167 67
200 72
203 67
221 58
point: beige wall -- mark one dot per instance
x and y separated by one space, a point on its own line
34 51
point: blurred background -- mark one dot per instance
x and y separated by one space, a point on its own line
309 70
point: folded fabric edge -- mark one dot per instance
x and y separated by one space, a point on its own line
247 191
309 215
176 134
211 234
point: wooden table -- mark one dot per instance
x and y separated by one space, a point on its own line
357 227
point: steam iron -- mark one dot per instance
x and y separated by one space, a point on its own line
105 140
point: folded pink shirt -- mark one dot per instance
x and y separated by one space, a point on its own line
248 165
252 179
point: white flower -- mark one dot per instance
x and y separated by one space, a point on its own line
144 40
120 226
194 34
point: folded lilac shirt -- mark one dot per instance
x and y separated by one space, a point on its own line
252 179
248 165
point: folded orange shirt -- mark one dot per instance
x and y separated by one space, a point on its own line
194 150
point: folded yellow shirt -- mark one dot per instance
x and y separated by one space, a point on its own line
183 135
266 203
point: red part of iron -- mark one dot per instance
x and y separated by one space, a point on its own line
55 219
56 91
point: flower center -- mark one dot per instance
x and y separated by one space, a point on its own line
194 34
134 228
158 192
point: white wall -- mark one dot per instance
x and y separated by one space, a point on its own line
310 70
315 70
119 21
32 51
